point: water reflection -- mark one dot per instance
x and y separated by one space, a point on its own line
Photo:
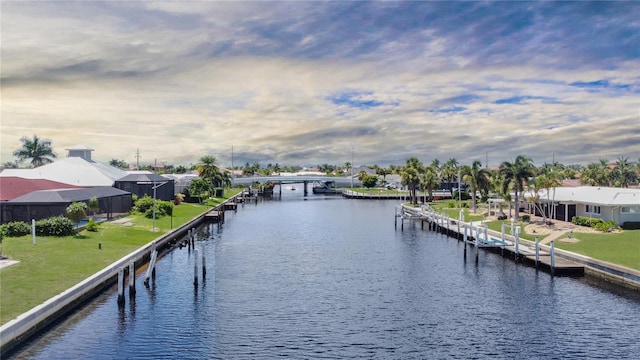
334 279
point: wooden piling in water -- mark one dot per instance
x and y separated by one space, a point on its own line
204 266
132 279
121 287
195 268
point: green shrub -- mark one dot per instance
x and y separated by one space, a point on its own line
451 204
55 226
162 208
143 204
525 218
595 223
92 225
15 228
502 217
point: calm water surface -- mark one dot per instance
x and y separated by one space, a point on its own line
330 278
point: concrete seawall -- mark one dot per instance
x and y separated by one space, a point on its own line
31 322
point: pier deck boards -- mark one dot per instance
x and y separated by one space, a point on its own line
526 253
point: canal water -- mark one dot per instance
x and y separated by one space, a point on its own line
330 278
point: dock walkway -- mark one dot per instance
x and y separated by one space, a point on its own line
477 235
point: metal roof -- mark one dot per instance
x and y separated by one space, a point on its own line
66 195
12 187
72 170
596 195
139 177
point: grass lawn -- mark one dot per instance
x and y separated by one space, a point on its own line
55 264
618 248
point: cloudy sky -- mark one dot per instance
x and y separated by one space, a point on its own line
307 83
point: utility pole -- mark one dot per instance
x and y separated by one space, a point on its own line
351 167
138 159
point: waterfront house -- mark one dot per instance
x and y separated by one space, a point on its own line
607 203
42 204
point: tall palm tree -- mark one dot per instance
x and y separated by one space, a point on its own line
478 179
624 174
383 172
411 176
515 176
411 179
207 169
429 181
450 172
597 174
37 149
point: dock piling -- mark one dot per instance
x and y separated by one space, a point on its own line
121 287
132 279
195 268
553 258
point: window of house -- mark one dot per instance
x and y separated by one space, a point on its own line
630 209
593 209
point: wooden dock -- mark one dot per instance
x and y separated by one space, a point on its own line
477 235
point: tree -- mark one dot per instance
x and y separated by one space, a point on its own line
76 212
93 205
118 163
200 188
37 149
478 179
450 172
362 174
383 172
369 181
410 176
596 174
624 173
515 175
347 167
209 170
429 181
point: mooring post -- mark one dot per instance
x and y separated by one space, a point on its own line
204 264
132 279
395 219
537 250
553 258
33 231
477 244
151 269
517 249
502 232
195 268
121 287
486 236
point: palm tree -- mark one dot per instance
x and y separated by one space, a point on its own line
411 176
36 149
478 179
429 181
208 170
383 172
450 172
515 175
597 174
623 173
411 179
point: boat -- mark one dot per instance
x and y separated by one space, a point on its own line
326 187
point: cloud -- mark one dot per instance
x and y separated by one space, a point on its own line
307 82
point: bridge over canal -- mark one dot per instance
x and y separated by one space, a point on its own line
340 182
